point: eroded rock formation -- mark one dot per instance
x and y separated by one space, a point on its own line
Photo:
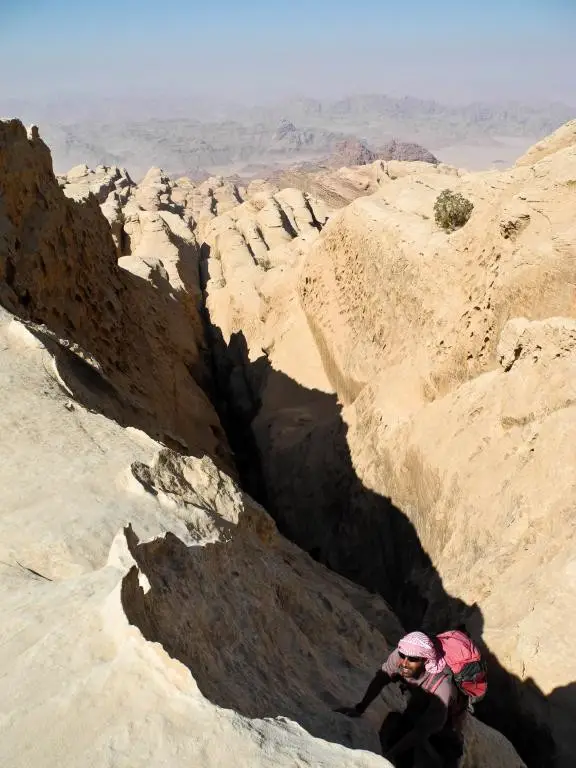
416 431
356 152
132 328
372 373
152 614
405 151
334 186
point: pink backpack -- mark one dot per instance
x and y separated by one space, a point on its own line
468 669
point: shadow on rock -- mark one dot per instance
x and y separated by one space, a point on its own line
255 626
142 333
293 456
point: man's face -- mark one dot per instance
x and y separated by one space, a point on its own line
411 667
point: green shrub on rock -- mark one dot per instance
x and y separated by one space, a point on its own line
452 210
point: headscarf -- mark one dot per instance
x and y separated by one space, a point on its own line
419 644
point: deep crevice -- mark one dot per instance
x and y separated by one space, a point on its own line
296 463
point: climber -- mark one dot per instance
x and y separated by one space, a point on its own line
428 733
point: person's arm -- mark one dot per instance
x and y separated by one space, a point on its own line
431 721
378 682
380 679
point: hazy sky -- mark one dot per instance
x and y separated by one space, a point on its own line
258 50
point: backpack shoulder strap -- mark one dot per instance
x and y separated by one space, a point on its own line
436 680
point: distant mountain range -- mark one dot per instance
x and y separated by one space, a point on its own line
511 119
201 137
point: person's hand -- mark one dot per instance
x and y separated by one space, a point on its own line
350 711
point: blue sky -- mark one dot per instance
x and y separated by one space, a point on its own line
257 51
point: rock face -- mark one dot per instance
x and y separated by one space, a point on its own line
287 134
334 186
153 602
151 612
130 328
288 139
111 186
89 634
353 170
251 265
352 152
416 431
563 138
405 151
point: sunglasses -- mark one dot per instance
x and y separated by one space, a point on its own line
413 659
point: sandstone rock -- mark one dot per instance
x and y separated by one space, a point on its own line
153 192
461 450
131 342
152 614
252 252
101 182
395 234
261 187
288 338
405 151
351 152
452 439
62 471
563 138
158 235
339 187
205 201
111 186
397 169
288 136
306 217
335 187
547 340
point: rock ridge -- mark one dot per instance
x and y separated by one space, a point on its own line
351 343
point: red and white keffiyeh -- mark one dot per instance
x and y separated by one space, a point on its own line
420 645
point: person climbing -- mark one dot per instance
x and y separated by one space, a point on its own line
428 733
